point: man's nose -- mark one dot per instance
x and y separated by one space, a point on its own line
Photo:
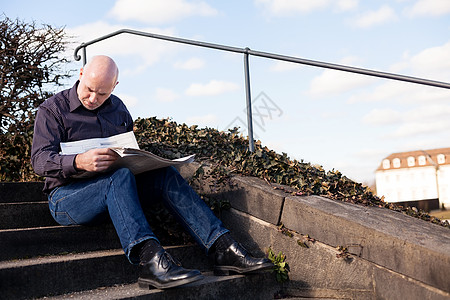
92 97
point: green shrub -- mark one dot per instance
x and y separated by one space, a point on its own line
228 151
30 66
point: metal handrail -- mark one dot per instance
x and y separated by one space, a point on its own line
247 52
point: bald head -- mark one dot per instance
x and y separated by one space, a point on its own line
97 81
103 68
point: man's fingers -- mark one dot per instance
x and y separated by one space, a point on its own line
107 157
96 159
101 151
103 154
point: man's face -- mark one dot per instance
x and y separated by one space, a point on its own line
94 90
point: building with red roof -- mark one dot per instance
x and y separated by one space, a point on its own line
416 178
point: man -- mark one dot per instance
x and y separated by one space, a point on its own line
89 110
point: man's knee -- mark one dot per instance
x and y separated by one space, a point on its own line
172 174
172 171
123 174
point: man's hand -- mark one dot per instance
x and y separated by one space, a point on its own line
95 160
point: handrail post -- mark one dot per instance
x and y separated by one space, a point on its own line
84 56
251 142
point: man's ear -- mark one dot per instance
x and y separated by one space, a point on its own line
81 73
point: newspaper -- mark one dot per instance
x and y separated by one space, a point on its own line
126 146
123 140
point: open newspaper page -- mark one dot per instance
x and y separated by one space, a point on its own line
139 161
123 140
131 157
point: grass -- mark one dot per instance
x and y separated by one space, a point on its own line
441 214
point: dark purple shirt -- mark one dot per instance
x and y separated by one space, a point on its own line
62 118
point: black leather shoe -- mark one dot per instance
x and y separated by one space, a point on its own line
162 272
237 259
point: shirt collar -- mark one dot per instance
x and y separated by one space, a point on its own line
74 101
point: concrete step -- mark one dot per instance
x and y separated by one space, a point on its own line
60 274
21 192
30 242
315 298
25 215
211 287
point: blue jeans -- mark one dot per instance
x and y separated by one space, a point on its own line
121 196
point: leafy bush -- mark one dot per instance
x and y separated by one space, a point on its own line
30 65
15 150
229 153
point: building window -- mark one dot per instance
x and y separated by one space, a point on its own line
422 160
441 159
386 164
411 161
396 162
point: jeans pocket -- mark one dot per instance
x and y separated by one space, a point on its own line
59 214
63 218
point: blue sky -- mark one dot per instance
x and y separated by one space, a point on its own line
338 120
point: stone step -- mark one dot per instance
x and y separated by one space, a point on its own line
21 192
254 286
60 274
315 298
43 276
25 215
30 242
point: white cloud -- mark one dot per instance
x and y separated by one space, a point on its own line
288 7
143 51
404 93
213 88
344 5
128 100
369 153
429 8
428 113
190 64
159 11
165 95
385 116
383 15
281 66
431 63
282 8
412 110
334 114
333 82
390 90
206 120
414 129
425 119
